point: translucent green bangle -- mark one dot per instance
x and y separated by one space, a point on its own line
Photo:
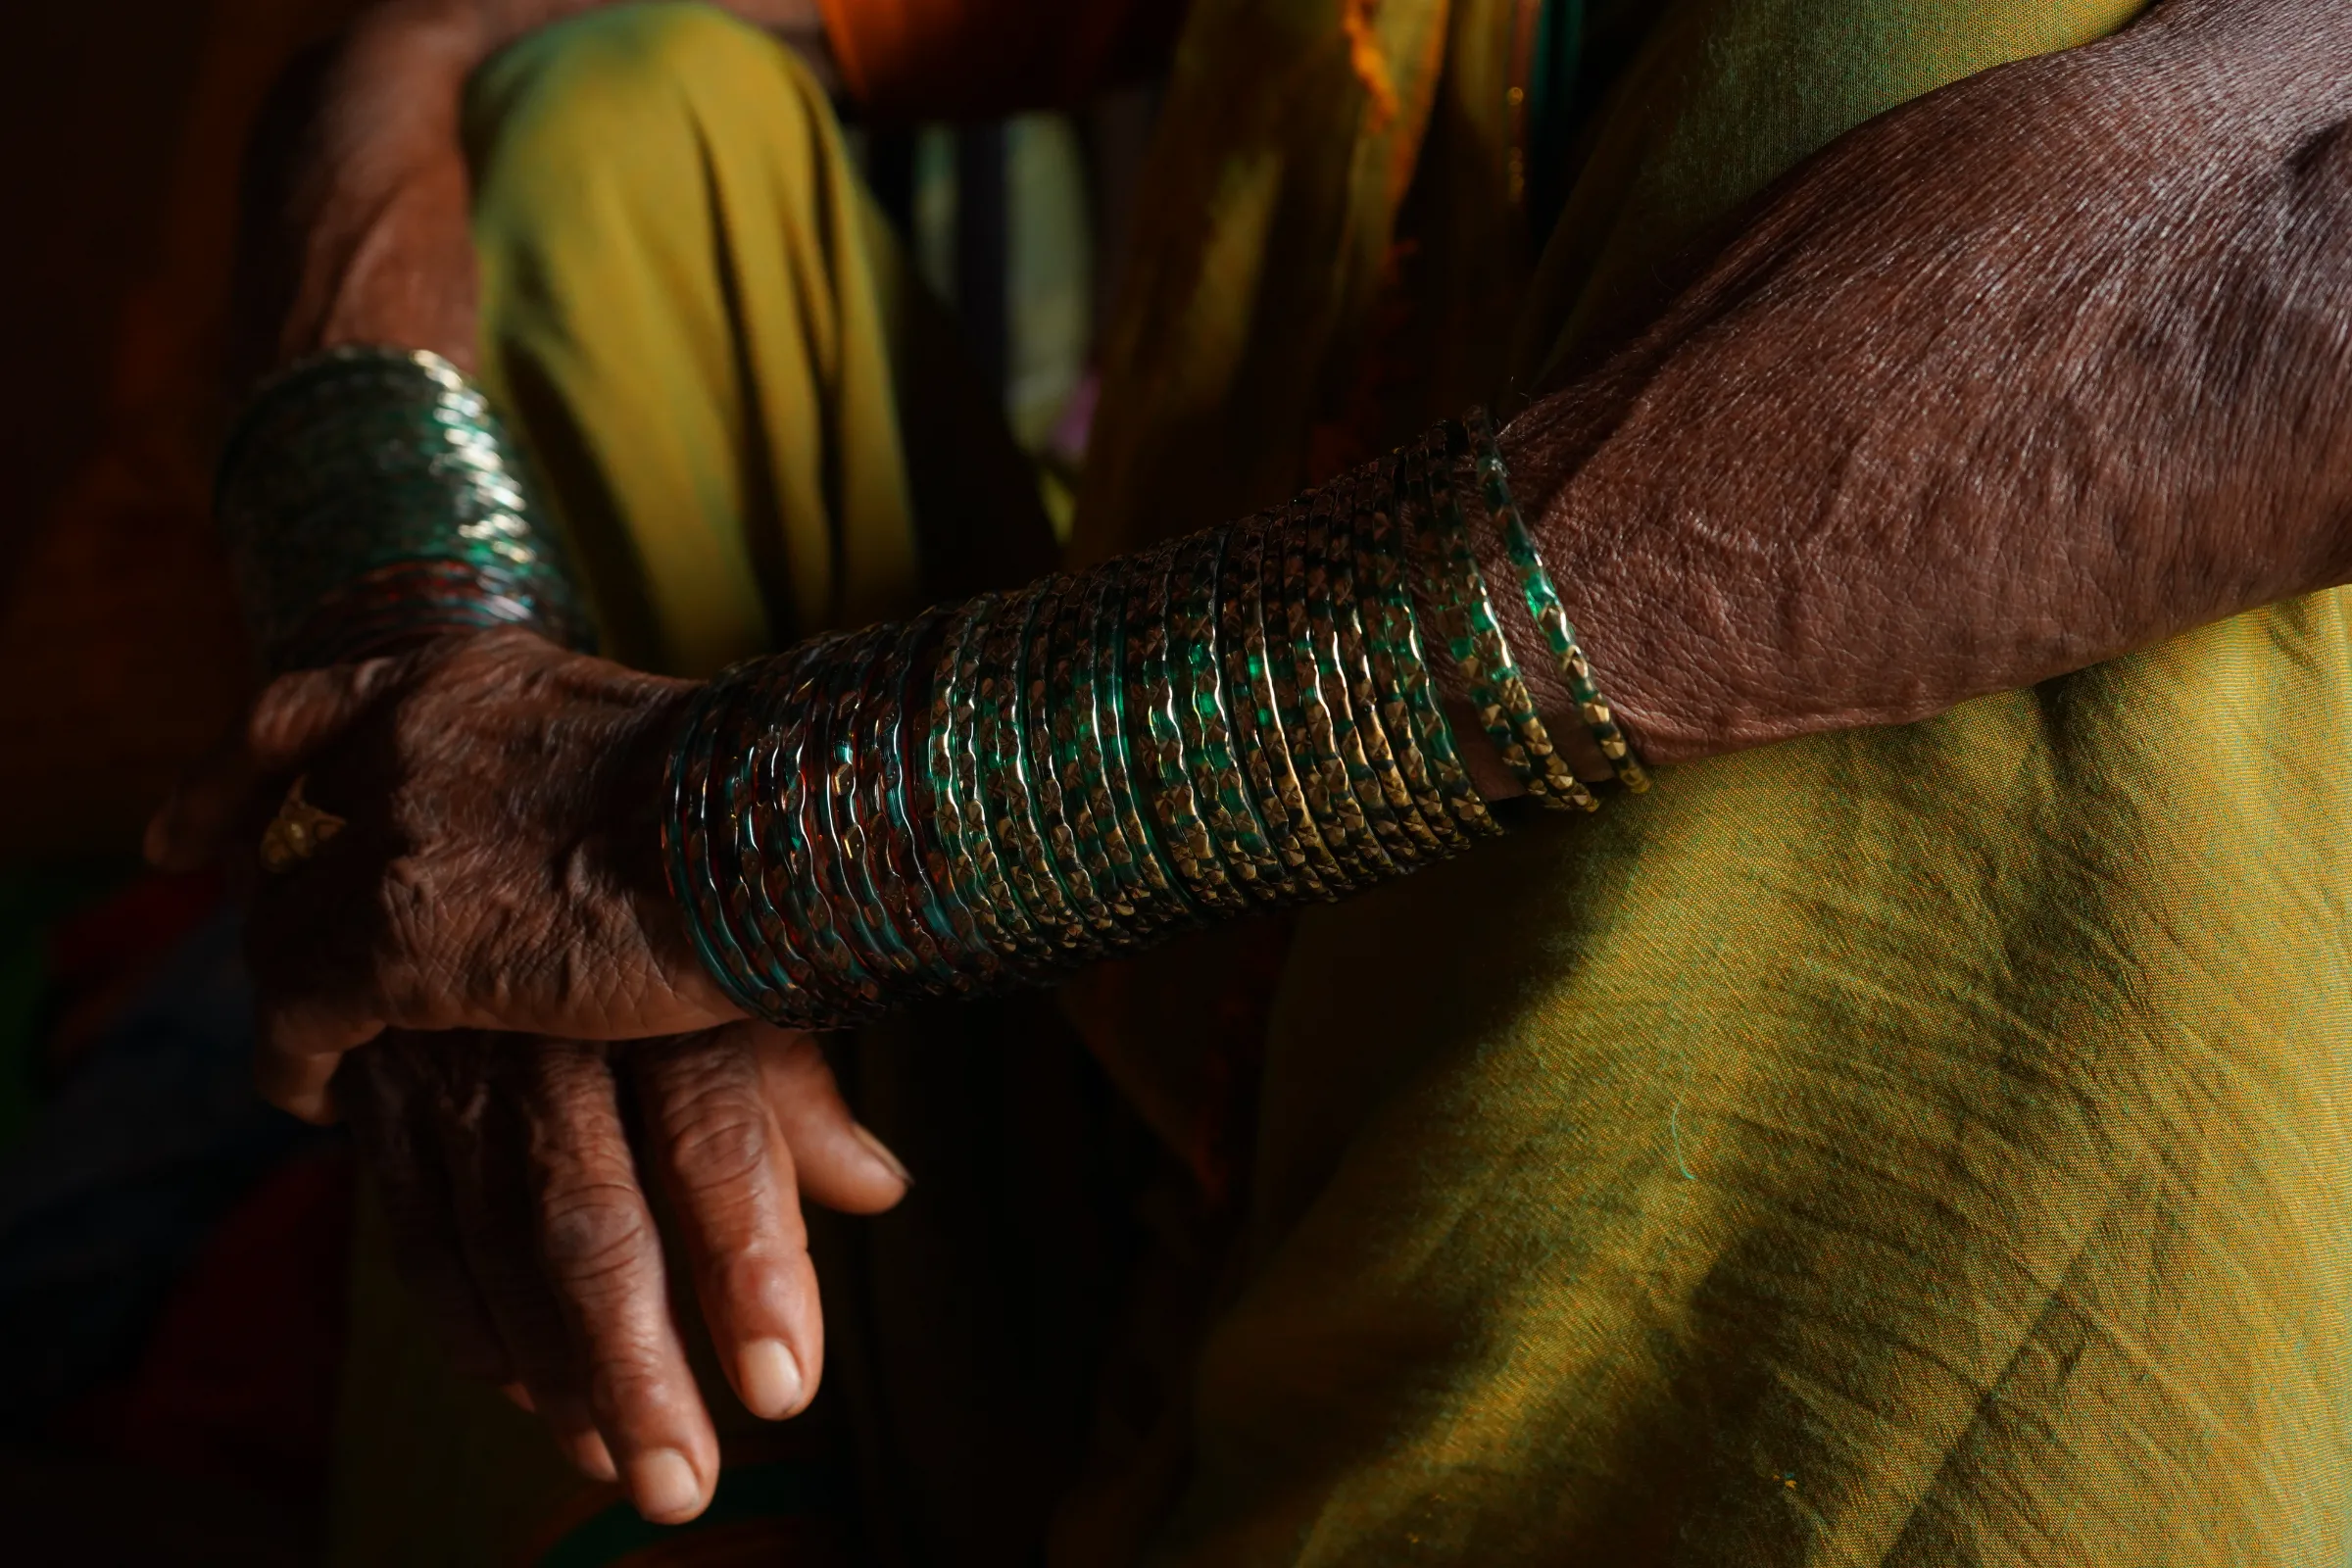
997 912
1346 694
1010 783
1078 867
1299 699
1474 637
1157 884
1063 694
1156 740
1544 606
885 842
936 818
1419 734
780 830
1257 727
1207 729
1353 622
879 954
372 492
693 880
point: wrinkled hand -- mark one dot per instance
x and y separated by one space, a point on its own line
520 1217
501 867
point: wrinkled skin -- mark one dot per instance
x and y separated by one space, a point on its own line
520 1216
481 777
2041 368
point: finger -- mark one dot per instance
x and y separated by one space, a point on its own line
386 1088
604 1263
193 823
728 1174
299 714
287 725
838 1163
485 1151
301 1043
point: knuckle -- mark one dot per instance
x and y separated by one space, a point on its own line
723 1147
594 1232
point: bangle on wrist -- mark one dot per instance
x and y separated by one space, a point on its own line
1243 719
368 495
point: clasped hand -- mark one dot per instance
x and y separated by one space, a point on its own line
497 872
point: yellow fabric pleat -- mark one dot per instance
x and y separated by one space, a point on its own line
681 306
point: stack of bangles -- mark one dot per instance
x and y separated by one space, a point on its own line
996 792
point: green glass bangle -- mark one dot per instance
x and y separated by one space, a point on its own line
1419 736
1298 702
1357 635
781 903
1340 688
877 952
1544 606
1063 707
1157 741
1474 637
1258 729
793 987
1158 881
1064 816
885 854
1206 730
686 854
1008 779
997 916
731 808
936 818
369 493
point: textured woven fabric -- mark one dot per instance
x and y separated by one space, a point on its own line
684 301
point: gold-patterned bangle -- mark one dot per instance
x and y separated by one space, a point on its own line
1156 739
1474 637
1544 606
1339 816
1157 884
993 793
1416 727
1204 727
1258 735
1348 680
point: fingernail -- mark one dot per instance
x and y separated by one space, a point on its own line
881 1152
520 1395
770 1379
663 1485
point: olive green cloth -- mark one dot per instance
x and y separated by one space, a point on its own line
1921 1147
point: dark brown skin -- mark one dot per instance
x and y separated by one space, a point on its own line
516 1214
2044 368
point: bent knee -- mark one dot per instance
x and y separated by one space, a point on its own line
621 87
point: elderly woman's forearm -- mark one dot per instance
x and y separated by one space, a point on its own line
2035 371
